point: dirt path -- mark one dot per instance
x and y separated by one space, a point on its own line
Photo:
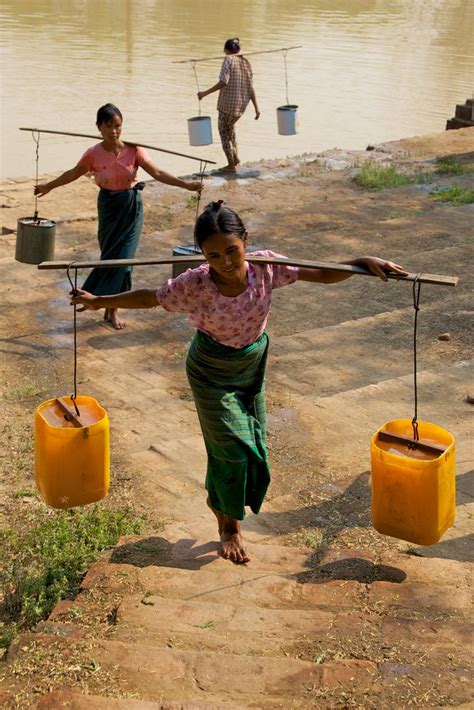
340 365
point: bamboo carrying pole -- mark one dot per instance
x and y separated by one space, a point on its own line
242 54
436 279
142 145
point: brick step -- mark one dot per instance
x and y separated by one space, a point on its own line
464 111
274 632
159 674
454 123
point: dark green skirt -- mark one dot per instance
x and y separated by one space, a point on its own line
120 226
228 385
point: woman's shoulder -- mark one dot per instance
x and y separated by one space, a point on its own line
267 253
92 152
198 276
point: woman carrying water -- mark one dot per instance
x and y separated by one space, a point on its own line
120 203
228 301
235 91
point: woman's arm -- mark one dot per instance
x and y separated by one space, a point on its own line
216 87
376 266
253 99
64 179
140 298
168 179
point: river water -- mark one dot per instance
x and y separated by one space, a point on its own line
368 71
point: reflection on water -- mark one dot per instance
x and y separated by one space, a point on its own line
369 70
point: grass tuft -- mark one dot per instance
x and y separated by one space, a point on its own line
456 195
373 176
46 563
448 165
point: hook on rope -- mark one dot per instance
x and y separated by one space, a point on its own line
197 83
202 170
284 51
36 137
74 293
416 306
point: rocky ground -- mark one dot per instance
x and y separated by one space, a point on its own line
329 613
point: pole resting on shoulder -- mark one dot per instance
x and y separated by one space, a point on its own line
435 279
99 138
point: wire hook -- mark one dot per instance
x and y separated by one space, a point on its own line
197 83
74 293
36 137
416 306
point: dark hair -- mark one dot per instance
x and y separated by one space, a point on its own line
217 218
232 45
106 113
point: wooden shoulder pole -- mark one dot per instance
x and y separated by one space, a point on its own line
142 145
435 279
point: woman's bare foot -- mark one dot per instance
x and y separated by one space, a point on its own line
115 320
232 545
227 169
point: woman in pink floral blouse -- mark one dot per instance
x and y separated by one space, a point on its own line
228 301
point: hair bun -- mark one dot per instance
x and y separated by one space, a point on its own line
215 206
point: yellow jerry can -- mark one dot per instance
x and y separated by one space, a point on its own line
72 453
413 490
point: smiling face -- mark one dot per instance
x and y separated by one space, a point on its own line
225 254
111 130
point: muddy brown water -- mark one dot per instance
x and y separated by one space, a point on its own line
371 70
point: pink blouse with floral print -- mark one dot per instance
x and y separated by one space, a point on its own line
235 321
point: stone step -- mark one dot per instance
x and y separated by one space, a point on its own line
341 578
238 585
305 634
192 554
159 674
77 701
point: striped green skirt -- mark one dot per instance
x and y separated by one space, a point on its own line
228 385
120 225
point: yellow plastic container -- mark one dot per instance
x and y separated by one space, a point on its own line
72 464
413 492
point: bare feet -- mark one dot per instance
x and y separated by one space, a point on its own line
227 169
231 543
111 316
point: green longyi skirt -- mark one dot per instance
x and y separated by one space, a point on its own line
228 385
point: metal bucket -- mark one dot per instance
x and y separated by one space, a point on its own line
200 131
287 118
35 240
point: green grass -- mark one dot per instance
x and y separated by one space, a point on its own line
46 562
448 165
24 388
191 202
456 195
373 176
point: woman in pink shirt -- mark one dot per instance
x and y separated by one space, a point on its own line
114 165
228 301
